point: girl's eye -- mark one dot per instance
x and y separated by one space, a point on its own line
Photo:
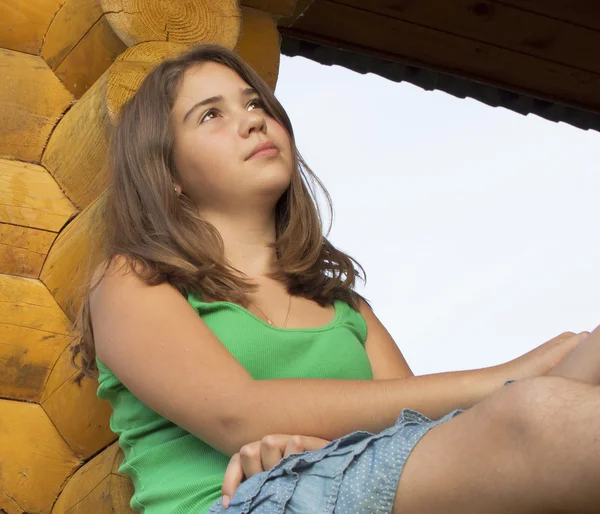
256 104
208 115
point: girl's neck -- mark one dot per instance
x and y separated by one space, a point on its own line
246 242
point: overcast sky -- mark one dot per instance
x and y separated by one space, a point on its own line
477 226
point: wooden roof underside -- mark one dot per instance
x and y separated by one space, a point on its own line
530 56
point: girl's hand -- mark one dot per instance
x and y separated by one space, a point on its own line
262 455
545 357
583 363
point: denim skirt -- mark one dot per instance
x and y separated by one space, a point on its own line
356 474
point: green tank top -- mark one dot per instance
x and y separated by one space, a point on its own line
176 472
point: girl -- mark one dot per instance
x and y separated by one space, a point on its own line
222 315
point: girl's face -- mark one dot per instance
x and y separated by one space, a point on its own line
218 123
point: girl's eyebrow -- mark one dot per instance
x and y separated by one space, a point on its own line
249 91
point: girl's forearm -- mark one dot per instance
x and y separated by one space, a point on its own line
332 408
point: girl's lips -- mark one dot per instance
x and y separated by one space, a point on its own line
263 145
267 152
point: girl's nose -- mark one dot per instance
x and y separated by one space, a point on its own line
253 122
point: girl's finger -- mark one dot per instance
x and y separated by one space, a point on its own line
251 459
294 444
234 475
303 443
271 449
314 443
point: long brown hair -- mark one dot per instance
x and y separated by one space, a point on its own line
161 235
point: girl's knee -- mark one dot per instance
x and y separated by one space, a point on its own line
536 407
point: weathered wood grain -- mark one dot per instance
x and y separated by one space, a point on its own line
259 44
30 197
97 487
32 100
183 21
276 7
23 24
35 460
73 255
33 333
80 44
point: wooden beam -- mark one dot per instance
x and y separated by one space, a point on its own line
68 27
499 25
28 304
35 460
100 500
32 211
23 250
33 332
181 21
585 13
275 7
23 24
428 48
89 60
32 100
81 174
259 44
72 257
86 36
62 370
300 9
26 360
30 197
80 45
97 487
81 418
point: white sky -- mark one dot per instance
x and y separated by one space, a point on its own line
475 225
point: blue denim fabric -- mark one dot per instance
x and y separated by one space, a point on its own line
356 474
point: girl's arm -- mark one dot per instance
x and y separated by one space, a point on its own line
384 355
162 351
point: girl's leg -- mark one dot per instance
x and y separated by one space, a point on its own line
532 447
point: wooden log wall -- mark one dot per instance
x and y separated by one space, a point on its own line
67 67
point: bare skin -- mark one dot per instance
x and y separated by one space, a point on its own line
531 447
583 363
